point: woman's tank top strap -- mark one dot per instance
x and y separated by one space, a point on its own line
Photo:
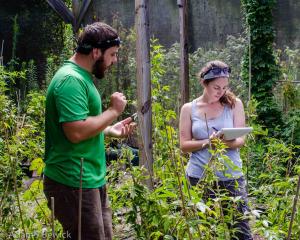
228 111
194 108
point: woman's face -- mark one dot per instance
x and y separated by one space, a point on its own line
216 88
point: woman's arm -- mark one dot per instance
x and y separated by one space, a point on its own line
187 143
238 121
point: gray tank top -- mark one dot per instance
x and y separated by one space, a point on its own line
199 159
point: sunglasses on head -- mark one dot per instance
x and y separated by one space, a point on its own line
216 72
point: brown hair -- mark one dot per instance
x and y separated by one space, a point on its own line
95 33
228 98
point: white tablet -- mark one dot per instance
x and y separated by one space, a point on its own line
233 133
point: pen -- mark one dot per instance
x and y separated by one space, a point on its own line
215 129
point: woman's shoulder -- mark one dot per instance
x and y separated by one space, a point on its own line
188 104
187 107
238 103
238 107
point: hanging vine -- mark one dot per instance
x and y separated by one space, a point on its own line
264 68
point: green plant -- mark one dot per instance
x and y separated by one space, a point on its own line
16 31
288 94
23 214
122 76
264 68
31 75
172 210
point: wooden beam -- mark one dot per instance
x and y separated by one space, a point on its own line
184 55
144 86
1 53
74 17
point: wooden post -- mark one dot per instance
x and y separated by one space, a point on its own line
144 85
294 210
52 218
74 17
75 10
80 199
1 54
184 55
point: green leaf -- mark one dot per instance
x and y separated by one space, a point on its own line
37 165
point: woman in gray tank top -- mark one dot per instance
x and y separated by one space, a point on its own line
216 108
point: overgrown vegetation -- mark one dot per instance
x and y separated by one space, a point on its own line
22 145
172 210
264 71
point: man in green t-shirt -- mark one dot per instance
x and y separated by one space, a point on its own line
75 128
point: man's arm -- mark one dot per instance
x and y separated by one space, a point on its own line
78 131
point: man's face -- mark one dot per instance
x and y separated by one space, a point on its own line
105 61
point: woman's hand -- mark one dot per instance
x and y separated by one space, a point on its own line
235 143
121 129
212 137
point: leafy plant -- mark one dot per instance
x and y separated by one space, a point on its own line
264 68
22 215
288 94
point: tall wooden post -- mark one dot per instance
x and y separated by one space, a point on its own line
74 16
144 86
294 209
184 56
75 10
1 54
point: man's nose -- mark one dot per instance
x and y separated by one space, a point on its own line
115 59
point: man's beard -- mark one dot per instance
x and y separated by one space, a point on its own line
99 68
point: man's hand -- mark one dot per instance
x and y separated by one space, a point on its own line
117 103
121 129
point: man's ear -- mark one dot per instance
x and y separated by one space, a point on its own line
96 53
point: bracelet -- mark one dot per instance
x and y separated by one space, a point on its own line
204 145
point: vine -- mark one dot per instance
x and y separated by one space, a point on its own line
264 68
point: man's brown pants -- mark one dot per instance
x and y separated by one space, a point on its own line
96 215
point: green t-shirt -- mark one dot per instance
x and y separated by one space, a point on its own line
72 96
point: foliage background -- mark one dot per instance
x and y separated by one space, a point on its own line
172 210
